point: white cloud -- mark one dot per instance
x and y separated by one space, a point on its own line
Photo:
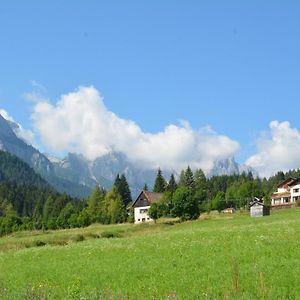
6 115
79 122
278 150
24 134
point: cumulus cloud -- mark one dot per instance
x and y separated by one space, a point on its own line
277 150
24 134
80 122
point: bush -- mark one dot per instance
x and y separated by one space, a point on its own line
39 243
78 238
110 234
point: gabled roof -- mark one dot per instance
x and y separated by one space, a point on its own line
287 182
150 196
256 201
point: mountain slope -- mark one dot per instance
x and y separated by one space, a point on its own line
9 142
14 170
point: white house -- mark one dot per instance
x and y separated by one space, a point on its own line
287 194
142 204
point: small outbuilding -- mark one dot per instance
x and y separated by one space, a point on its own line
229 210
258 209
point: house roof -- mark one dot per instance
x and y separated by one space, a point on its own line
287 182
150 196
256 201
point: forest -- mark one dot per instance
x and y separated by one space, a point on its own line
28 202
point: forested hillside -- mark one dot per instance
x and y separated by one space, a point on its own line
27 201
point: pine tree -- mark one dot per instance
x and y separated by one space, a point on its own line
145 188
123 189
182 179
189 179
200 186
160 183
172 185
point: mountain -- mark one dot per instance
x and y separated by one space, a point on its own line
14 170
77 176
10 142
229 166
103 171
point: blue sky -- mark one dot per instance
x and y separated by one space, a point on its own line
233 65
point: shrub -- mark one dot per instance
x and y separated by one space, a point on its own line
78 238
110 234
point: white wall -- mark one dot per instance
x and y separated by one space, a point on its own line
295 192
141 214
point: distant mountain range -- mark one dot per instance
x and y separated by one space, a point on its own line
77 176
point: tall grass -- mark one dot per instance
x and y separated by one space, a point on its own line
223 257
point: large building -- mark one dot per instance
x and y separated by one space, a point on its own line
142 204
287 194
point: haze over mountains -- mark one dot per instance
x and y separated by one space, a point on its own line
77 175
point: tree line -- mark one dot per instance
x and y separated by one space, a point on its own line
195 193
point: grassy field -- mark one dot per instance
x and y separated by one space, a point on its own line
217 257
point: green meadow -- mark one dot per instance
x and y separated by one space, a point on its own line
216 257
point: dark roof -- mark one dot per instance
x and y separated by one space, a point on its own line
256 201
288 181
151 197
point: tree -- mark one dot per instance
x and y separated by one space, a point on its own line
123 189
154 212
172 185
160 183
189 179
96 205
181 181
219 202
185 204
115 210
145 188
200 186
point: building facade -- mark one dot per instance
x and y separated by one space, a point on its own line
142 204
287 194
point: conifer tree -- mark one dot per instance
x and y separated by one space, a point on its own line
160 183
189 179
145 188
123 189
181 181
200 186
172 185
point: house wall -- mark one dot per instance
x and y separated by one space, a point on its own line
295 193
141 214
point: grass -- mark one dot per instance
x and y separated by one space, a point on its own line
216 257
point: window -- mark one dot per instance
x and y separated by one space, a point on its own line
296 191
143 220
143 210
139 219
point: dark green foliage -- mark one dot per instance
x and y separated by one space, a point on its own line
172 185
14 170
160 183
123 189
189 179
145 188
185 204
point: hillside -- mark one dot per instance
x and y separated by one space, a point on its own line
27 201
14 170
10 142
218 257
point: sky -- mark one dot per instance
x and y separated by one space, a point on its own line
198 80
